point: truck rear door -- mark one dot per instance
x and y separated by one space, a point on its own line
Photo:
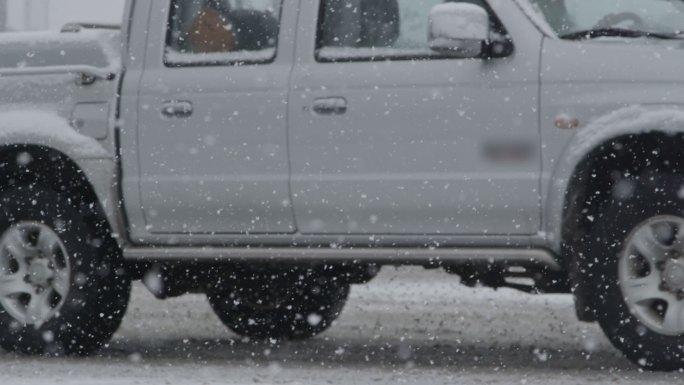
208 121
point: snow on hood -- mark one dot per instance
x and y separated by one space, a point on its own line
47 129
97 48
629 120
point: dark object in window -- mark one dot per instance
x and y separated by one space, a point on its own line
379 23
371 23
217 26
255 30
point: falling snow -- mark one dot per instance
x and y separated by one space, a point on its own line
376 191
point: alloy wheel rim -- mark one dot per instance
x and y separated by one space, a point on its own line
651 274
35 273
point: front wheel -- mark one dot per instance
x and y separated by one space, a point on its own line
636 271
63 289
278 305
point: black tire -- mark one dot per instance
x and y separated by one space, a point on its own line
290 305
651 195
99 287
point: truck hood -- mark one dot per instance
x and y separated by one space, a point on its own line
96 48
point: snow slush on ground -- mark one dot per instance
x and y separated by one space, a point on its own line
407 326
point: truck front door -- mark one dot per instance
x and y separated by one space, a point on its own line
388 137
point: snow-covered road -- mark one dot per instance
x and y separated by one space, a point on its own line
407 326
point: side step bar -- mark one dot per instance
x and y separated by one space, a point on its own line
385 256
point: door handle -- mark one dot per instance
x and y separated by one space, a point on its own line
177 109
330 106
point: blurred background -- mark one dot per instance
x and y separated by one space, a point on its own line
37 15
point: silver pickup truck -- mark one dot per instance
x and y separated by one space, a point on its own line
270 153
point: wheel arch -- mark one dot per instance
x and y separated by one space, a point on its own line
623 144
22 164
632 128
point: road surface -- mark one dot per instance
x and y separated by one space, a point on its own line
409 326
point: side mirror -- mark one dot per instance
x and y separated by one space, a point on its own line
458 29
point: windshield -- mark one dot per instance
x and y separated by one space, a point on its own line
654 16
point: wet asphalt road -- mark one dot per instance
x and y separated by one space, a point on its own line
407 326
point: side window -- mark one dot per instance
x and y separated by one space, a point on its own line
215 32
380 29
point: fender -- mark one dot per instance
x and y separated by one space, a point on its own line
50 130
627 121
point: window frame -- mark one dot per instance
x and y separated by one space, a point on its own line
168 38
488 52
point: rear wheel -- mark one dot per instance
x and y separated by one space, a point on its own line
279 305
63 289
636 270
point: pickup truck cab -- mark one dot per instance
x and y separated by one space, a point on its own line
270 153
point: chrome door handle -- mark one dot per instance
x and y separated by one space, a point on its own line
177 109
330 106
